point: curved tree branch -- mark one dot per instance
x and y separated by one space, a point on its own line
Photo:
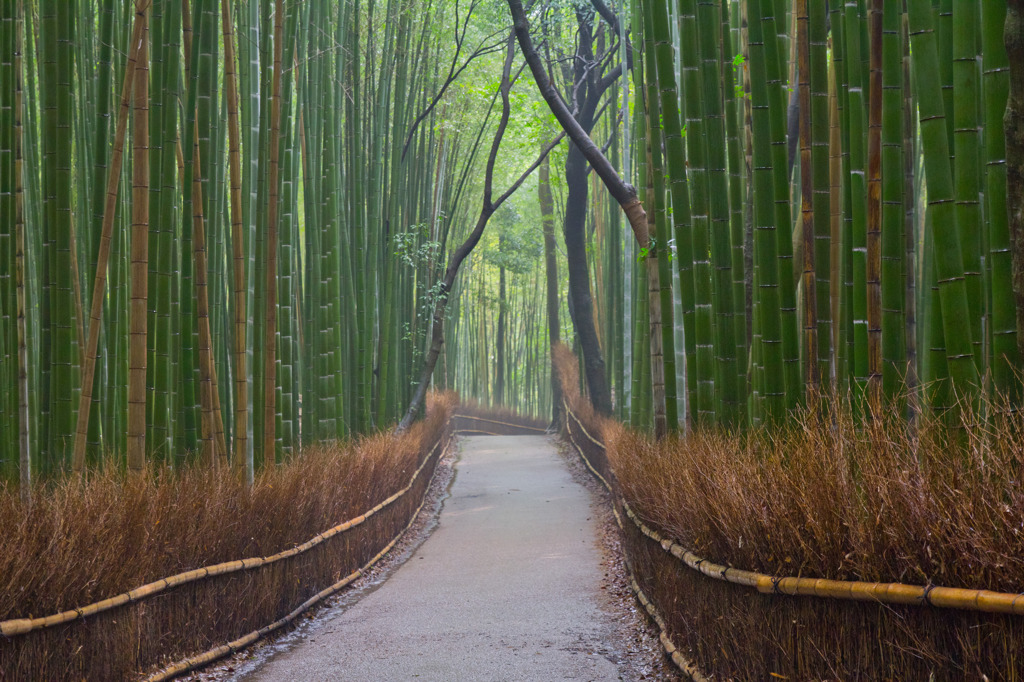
484 48
462 252
622 191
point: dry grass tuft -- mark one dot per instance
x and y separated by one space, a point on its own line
498 420
82 542
827 498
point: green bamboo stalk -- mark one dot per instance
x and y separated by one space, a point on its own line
139 254
239 446
777 110
704 365
732 91
948 256
676 165
967 167
1013 123
893 240
657 214
163 195
270 264
8 332
250 115
773 389
996 82
856 108
721 250
873 269
24 433
819 114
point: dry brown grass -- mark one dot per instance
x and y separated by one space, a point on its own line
80 543
826 498
508 418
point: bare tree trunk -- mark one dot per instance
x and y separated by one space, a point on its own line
622 191
579 281
547 210
459 255
499 374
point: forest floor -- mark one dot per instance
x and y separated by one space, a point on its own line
519 577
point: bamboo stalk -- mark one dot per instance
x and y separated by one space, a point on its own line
103 257
137 350
270 264
1005 355
239 443
212 428
812 376
948 259
24 442
894 352
873 269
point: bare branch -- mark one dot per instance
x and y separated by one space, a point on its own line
484 48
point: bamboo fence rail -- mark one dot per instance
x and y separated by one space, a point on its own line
673 652
883 593
667 644
207 657
21 626
501 423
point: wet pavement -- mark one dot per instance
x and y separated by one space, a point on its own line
507 587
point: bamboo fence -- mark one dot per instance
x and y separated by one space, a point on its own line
506 429
21 626
217 653
159 645
978 600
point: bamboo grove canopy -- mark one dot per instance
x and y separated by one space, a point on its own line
833 184
210 227
223 220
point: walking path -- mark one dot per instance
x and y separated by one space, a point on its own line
508 586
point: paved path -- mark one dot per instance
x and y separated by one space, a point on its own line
506 588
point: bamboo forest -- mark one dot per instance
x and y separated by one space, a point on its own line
757 264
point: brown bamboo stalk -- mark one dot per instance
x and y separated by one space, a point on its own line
812 376
100 282
270 322
137 311
874 233
240 439
657 349
213 441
